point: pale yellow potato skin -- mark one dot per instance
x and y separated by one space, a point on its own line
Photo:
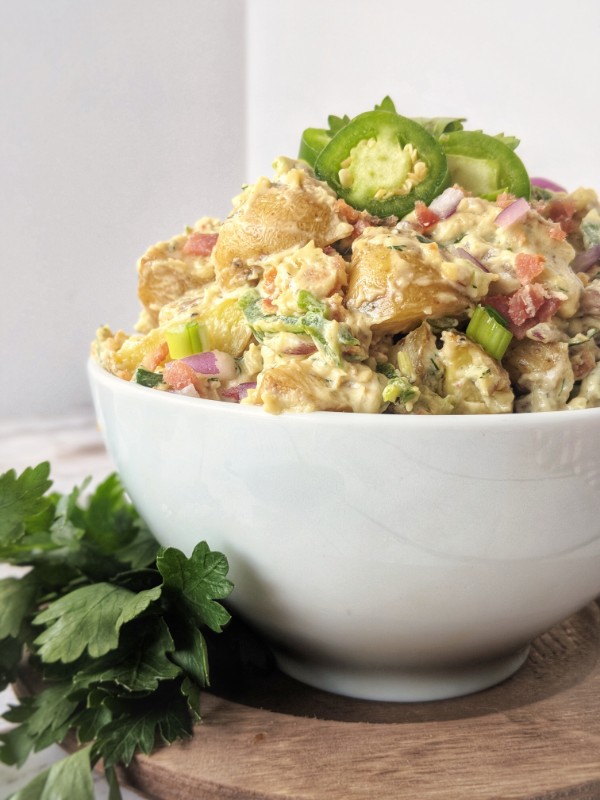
399 289
271 217
543 372
166 273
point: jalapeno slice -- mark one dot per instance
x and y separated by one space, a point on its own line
484 165
383 163
313 141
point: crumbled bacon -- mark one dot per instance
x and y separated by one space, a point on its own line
528 266
426 218
504 199
524 308
360 219
557 233
346 212
156 357
268 281
200 244
562 212
582 362
179 374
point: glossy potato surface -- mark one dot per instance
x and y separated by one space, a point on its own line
398 290
271 220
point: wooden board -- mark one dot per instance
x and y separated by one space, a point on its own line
534 737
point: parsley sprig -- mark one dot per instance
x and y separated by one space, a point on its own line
115 624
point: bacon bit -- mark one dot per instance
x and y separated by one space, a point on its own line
525 308
590 300
556 232
528 266
346 212
200 244
504 199
562 212
426 218
301 349
152 360
360 227
268 281
582 362
178 375
361 219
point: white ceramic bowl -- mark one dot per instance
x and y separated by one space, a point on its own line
384 557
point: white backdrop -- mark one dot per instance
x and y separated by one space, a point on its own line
529 68
122 121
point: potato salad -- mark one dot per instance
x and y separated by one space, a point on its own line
398 265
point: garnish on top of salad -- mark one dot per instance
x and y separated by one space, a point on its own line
399 265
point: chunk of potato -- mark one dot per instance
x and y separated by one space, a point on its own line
420 347
295 386
272 217
166 272
476 382
399 285
542 371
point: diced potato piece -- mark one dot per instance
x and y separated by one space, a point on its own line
295 386
542 371
304 268
166 272
420 348
122 354
398 287
271 217
476 382
227 327
224 320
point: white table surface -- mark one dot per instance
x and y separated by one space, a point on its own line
75 450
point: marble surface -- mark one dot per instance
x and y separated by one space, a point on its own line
74 447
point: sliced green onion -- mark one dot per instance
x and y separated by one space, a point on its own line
187 339
146 378
488 328
405 365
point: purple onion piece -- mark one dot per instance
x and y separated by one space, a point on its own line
237 393
513 213
205 363
544 183
445 204
460 251
587 259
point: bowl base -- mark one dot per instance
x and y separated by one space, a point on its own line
403 685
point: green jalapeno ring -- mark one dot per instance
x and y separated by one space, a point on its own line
313 141
484 165
383 163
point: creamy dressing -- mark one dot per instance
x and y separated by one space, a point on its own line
326 308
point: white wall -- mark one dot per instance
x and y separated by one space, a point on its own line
121 121
525 67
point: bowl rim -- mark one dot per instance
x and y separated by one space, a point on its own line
98 374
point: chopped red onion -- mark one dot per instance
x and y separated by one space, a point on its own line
301 349
544 183
460 251
445 204
205 363
213 362
587 259
237 393
515 212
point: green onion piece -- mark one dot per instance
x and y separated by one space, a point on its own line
187 339
146 378
488 328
